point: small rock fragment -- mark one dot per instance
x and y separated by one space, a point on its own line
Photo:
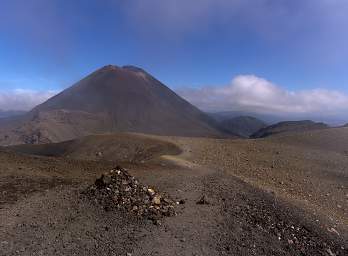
203 200
330 252
104 180
157 222
332 230
182 201
157 200
151 191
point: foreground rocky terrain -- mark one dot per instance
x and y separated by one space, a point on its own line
285 195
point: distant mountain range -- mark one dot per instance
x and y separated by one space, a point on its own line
288 126
110 99
10 113
243 126
266 118
276 118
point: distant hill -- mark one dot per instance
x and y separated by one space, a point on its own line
274 118
10 113
112 147
111 99
244 126
288 126
267 118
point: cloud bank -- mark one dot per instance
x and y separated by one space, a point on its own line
245 93
250 93
22 99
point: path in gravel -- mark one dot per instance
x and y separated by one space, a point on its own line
239 219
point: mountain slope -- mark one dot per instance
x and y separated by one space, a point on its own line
111 99
289 126
242 125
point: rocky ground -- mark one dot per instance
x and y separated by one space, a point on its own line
229 197
309 170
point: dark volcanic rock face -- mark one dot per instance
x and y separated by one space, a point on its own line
112 99
289 126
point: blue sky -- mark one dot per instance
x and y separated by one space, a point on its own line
297 46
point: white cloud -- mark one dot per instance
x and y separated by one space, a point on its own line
254 94
22 99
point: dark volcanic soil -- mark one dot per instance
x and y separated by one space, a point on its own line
43 212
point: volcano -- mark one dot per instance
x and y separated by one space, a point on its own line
111 99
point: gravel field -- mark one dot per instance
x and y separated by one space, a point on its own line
275 196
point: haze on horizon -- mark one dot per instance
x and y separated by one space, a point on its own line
282 58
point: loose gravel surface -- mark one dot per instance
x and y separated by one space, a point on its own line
250 207
310 173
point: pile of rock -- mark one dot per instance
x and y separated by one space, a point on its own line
117 189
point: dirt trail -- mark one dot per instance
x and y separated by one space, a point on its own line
239 219
193 230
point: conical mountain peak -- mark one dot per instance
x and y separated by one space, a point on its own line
127 99
133 68
117 70
107 68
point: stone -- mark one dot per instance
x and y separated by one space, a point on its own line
332 230
157 200
330 252
150 191
203 200
103 181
